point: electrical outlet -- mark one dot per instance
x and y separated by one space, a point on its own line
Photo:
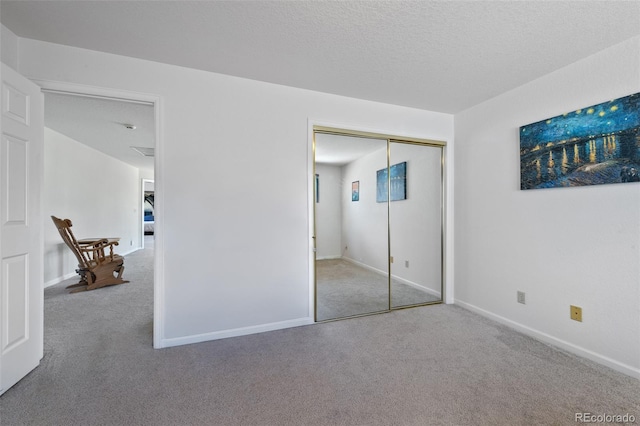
576 313
521 297
391 259
406 263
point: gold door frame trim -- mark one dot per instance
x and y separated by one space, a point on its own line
372 135
389 139
313 237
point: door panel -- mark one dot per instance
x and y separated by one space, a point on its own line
351 227
15 104
15 288
415 224
21 169
14 200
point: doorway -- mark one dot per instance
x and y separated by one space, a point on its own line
148 169
378 223
148 214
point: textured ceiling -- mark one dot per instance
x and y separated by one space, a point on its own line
442 56
100 124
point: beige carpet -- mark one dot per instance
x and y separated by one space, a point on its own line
433 365
346 289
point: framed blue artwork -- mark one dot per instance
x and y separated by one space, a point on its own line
595 145
397 180
355 191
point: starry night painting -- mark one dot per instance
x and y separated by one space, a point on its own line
595 145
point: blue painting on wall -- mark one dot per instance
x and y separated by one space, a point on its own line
595 145
398 183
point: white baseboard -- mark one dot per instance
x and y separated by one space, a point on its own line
395 277
365 266
554 341
132 250
418 286
243 331
60 279
329 257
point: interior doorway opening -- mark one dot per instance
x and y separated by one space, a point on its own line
147 227
143 116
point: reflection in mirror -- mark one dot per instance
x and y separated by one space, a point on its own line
351 228
415 224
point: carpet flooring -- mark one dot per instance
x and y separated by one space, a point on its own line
432 365
346 289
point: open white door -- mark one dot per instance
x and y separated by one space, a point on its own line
21 243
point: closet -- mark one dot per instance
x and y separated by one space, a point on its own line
378 223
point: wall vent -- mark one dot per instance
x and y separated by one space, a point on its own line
144 151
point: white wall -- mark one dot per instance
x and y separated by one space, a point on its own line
234 176
8 47
146 174
577 246
329 212
414 223
365 222
101 196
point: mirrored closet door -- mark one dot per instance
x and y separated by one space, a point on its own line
350 227
378 222
415 223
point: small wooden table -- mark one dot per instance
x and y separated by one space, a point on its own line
113 241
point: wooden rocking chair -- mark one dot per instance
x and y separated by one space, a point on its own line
97 263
